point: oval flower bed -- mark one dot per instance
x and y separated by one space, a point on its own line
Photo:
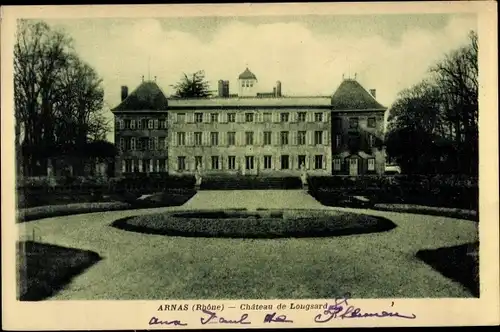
255 224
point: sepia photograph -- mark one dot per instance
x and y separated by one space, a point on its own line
200 161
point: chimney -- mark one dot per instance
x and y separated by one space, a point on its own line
124 92
278 88
373 92
221 89
274 92
225 90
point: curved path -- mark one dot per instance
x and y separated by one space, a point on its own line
139 266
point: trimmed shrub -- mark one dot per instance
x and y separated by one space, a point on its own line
259 224
40 212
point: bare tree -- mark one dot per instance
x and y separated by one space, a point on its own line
58 98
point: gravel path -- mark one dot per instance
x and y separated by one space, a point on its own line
138 266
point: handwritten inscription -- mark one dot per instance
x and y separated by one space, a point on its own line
211 317
270 318
156 321
341 309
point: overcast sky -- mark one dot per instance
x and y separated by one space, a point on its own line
308 54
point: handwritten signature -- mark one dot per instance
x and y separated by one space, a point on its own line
213 318
342 309
270 318
156 321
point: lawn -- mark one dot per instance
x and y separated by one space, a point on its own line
44 269
139 266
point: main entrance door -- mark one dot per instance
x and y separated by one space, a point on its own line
353 167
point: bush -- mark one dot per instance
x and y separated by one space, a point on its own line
260 224
447 191
68 209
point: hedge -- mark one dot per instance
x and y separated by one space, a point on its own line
260 224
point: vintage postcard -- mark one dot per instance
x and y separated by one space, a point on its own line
249 166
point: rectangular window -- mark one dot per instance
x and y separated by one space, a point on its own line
215 162
181 163
301 138
198 161
249 138
284 138
285 162
197 138
301 117
150 124
128 166
371 164
284 117
338 140
302 161
318 137
267 117
181 117
214 117
248 117
214 138
163 124
249 162
231 117
132 124
267 138
372 122
132 143
336 164
371 140
138 144
122 144
267 162
128 124
231 162
318 117
318 161
163 165
231 138
151 145
198 117
181 139
337 124
353 123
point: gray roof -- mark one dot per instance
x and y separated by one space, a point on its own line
351 95
247 75
252 102
147 96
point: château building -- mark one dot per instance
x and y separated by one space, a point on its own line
251 133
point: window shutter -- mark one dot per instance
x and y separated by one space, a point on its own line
293 137
325 137
173 135
223 138
276 117
309 117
